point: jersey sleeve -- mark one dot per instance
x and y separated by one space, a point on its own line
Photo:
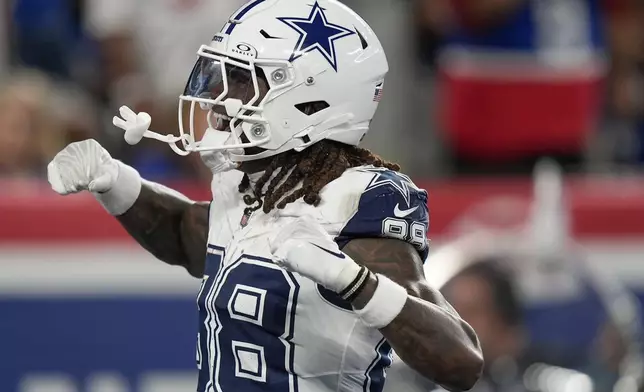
391 206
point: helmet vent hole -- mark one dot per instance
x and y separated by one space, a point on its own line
310 108
266 35
363 41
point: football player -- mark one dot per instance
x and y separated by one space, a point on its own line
311 251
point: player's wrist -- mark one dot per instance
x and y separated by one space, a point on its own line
385 304
123 193
357 285
347 277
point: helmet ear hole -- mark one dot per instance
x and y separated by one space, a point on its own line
310 108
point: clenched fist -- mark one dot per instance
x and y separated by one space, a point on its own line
88 166
80 166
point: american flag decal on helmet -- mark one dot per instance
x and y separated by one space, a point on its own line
377 96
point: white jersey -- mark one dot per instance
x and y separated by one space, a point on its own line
262 328
402 378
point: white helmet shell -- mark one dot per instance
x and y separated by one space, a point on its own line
273 60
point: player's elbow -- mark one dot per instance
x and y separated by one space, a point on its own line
471 370
472 362
464 369
468 373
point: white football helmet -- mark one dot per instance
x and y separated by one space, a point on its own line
282 75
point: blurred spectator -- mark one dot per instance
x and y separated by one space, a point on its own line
486 295
522 79
629 112
48 35
5 24
431 20
37 119
148 49
639 112
29 130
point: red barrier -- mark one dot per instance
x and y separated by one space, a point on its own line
31 212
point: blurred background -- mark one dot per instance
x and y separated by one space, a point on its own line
545 261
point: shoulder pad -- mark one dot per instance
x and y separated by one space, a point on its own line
390 206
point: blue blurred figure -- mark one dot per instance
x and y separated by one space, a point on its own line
48 35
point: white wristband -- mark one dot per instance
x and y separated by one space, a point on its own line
387 302
124 192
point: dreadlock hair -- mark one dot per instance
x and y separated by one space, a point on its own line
315 167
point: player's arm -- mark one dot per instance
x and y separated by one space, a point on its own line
427 334
379 271
168 225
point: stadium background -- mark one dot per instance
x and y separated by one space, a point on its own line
83 308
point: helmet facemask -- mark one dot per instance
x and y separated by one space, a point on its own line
231 94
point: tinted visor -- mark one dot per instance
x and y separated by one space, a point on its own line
207 81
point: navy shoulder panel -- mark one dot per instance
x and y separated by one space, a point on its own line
391 206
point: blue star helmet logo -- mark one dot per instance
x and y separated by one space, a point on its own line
316 33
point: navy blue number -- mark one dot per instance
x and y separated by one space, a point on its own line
247 315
